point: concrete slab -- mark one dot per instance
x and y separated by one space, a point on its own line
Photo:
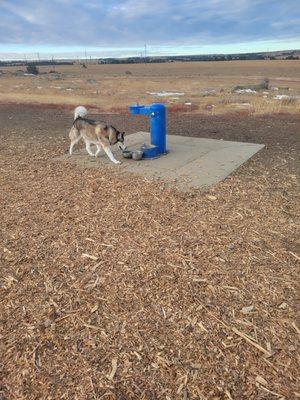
191 162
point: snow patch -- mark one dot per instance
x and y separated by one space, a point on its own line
282 97
245 91
165 94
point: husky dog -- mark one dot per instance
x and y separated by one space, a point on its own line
95 132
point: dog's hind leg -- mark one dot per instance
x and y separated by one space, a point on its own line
98 150
88 148
74 137
110 155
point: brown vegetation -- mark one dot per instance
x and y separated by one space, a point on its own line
207 86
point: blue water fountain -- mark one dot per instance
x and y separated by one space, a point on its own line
158 134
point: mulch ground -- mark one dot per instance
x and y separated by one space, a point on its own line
119 288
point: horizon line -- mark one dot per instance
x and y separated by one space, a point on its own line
86 57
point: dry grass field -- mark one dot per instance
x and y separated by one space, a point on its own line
205 87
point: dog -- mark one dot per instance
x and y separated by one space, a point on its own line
95 132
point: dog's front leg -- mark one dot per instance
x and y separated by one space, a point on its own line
122 146
110 155
98 150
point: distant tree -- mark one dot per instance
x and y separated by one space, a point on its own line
32 69
292 57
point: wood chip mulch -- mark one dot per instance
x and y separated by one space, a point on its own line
115 287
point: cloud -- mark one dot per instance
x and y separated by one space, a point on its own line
286 23
134 22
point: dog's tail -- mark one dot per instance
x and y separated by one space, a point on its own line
80 111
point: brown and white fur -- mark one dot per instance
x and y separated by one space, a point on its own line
95 132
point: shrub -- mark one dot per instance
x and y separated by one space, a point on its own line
32 69
265 83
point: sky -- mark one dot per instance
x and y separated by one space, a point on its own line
120 28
